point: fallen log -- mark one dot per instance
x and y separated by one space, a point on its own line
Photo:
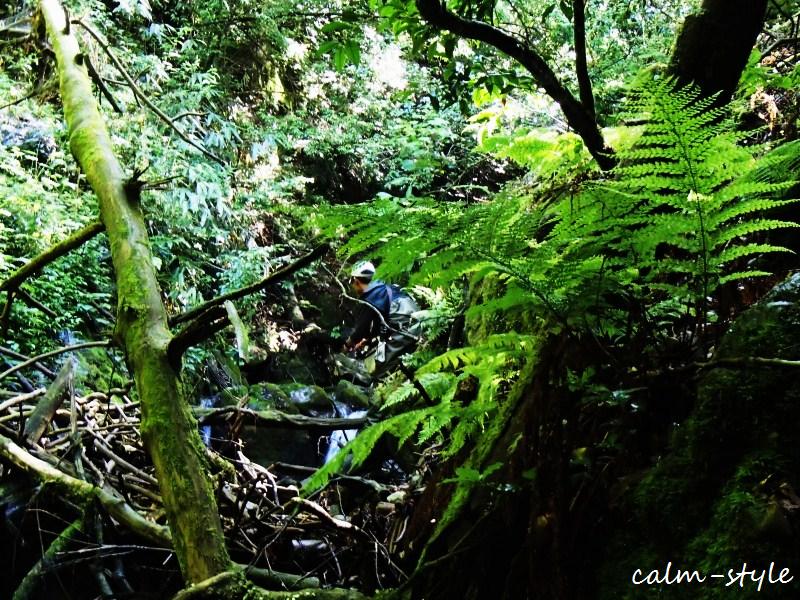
276 418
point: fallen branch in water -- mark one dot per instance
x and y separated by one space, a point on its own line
255 500
276 418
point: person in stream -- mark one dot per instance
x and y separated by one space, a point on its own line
385 328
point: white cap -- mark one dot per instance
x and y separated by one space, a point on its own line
364 269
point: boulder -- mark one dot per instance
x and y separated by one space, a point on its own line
352 394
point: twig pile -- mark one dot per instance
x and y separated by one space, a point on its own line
343 536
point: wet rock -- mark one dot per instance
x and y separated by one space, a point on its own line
352 394
267 396
310 400
28 134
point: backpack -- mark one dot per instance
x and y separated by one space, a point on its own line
401 312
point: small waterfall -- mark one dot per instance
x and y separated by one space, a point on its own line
67 337
340 437
205 430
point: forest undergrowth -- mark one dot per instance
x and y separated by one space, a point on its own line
598 268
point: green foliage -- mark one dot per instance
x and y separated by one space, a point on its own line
402 426
682 216
619 34
468 476
494 364
42 203
682 213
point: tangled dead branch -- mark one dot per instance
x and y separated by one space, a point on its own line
287 542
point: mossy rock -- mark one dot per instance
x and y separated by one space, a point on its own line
233 396
269 396
307 398
352 394
724 493
97 370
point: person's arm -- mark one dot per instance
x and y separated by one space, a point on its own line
368 323
362 329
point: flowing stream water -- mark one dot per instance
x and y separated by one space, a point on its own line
340 437
205 430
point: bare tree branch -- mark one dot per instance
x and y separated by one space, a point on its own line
140 94
98 81
206 325
436 13
745 362
34 303
113 502
270 279
36 359
18 356
276 418
581 69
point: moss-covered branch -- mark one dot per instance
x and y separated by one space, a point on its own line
126 515
202 328
276 418
37 263
46 408
232 584
270 279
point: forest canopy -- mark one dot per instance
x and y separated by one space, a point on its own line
584 213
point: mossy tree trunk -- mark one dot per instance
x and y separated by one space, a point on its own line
714 44
168 428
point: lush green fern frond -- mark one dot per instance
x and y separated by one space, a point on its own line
402 426
743 197
515 298
547 154
401 394
741 275
685 212
736 252
779 165
746 228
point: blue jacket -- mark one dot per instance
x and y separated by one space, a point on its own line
368 324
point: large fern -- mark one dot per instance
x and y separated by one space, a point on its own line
683 214
497 360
